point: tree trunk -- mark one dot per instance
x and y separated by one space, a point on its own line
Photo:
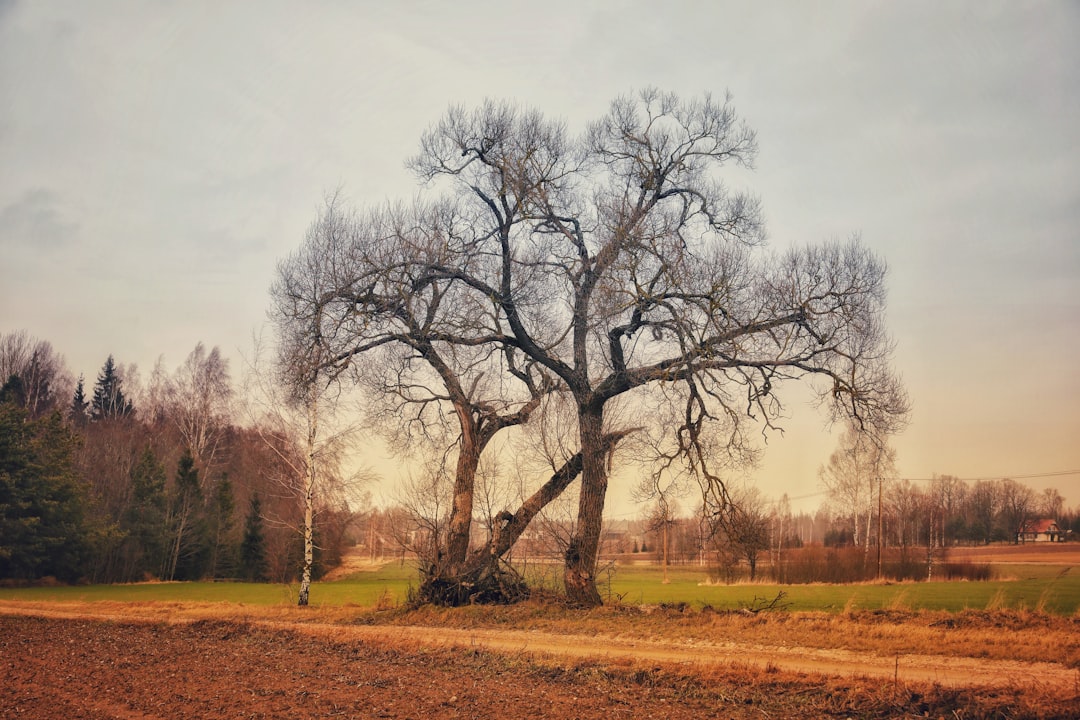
174 556
517 523
508 533
579 575
479 578
459 528
309 505
665 550
309 540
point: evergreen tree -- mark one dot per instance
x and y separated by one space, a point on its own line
42 529
143 522
223 549
109 401
13 391
79 405
187 524
253 564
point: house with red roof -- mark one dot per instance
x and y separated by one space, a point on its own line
1044 530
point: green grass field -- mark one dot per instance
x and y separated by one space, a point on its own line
1054 589
1050 588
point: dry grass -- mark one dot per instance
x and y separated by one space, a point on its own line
1024 635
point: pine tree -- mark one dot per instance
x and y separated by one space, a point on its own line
253 565
78 413
109 401
42 527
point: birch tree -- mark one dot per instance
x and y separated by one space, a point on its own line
302 426
199 397
854 477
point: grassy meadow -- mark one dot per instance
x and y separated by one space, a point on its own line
1049 588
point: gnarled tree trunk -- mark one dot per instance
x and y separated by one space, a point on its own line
579 574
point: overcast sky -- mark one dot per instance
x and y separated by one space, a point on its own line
158 158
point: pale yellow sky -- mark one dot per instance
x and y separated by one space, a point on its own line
160 158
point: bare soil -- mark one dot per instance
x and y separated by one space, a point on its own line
68 663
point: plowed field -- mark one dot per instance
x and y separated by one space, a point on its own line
74 668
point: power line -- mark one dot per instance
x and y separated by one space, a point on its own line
1003 476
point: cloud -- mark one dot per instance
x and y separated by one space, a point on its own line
36 220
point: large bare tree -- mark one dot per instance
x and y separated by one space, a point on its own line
351 291
617 263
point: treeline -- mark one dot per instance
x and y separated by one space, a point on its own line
944 512
122 481
948 511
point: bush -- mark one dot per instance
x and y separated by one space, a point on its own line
814 564
966 571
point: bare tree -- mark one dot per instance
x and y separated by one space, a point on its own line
741 528
1051 503
660 486
947 496
1018 504
428 360
617 262
985 503
855 476
44 378
304 392
199 398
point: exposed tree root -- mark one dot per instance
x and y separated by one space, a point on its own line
492 583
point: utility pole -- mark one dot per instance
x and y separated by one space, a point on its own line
880 525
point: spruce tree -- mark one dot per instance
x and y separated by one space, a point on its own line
109 401
78 413
187 523
42 527
253 565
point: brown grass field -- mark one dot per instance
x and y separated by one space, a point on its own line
538 660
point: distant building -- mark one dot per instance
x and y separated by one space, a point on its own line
1044 530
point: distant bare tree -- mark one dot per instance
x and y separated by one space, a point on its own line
984 504
1018 505
741 529
1051 503
854 477
199 397
947 493
45 380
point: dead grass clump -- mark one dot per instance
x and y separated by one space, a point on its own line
966 570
